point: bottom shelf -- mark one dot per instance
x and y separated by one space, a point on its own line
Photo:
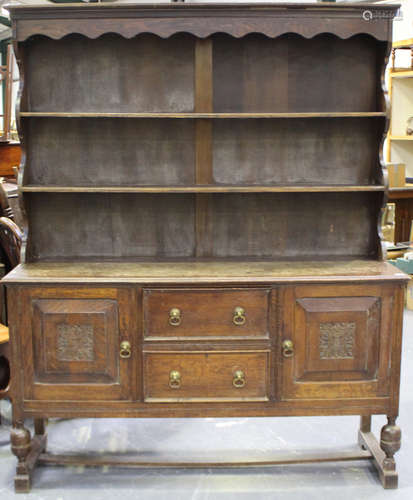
203 272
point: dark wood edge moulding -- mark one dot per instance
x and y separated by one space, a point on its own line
202 20
205 273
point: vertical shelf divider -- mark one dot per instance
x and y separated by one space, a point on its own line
203 144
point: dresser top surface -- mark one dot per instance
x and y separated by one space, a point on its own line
178 6
204 272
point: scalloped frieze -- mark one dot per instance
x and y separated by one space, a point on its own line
201 21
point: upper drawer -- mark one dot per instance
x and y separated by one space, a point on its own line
206 313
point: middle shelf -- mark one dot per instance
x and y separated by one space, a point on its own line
44 114
201 189
184 153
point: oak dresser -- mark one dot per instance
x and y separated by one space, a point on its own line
203 188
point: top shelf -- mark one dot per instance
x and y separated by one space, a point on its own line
203 115
405 73
403 44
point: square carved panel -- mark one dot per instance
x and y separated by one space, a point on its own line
338 338
76 340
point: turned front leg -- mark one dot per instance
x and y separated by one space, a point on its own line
390 443
382 453
27 451
20 446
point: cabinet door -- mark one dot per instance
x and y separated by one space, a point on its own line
341 341
69 343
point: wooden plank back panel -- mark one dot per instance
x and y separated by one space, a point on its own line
109 152
294 74
110 226
297 151
145 73
298 226
250 74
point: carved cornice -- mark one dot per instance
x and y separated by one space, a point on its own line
201 20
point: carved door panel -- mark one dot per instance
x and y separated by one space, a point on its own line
340 338
71 343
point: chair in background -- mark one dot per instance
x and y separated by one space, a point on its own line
5 208
10 242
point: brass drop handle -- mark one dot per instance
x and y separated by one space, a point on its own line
125 349
288 348
239 379
174 379
239 318
175 316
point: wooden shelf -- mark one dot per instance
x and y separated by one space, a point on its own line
204 115
397 193
198 189
407 73
401 137
403 44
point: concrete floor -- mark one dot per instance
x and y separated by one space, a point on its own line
248 437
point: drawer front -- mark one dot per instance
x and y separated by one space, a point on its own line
70 343
206 313
209 376
341 337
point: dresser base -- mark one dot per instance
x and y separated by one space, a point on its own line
371 450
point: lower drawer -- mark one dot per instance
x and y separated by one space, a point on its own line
207 376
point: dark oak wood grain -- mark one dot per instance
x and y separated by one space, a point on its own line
102 75
81 331
259 74
110 152
206 313
203 185
206 272
281 226
208 376
316 114
297 150
116 226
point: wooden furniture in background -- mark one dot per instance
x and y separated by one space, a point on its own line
203 204
10 240
4 363
5 208
10 151
399 147
403 199
400 134
6 74
397 175
10 156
